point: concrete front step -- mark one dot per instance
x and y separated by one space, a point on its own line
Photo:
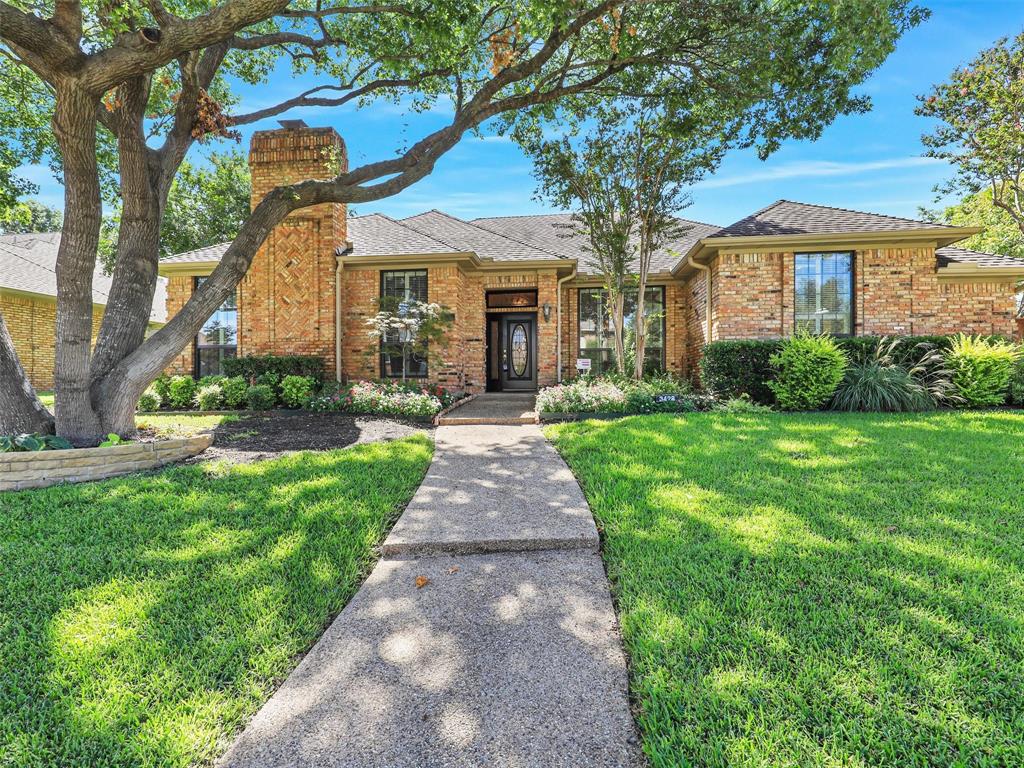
494 489
494 660
451 421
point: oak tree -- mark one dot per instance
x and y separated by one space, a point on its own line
153 77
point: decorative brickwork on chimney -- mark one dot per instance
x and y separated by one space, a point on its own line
287 299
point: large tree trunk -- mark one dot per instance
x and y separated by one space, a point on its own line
130 302
20 409
74 125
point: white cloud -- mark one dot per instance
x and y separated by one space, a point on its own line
815 168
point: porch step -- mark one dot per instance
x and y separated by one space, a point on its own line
494 408
451 421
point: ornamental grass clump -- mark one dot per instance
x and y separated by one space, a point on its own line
982 369
808 370
886 378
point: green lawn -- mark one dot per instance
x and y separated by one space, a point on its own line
816 590
142 619
182 424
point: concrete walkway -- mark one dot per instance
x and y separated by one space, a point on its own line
508 654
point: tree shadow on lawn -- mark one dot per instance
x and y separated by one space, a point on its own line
815 589
145 618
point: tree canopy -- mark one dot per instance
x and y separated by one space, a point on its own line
144 80
980 132
31 216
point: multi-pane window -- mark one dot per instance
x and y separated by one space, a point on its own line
824 293
597 336
397 287
218 338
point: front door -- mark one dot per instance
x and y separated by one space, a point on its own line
517 351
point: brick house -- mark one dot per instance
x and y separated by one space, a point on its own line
528 306
28 300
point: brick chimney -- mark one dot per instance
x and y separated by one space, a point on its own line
286 303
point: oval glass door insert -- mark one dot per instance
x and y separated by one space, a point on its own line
520 350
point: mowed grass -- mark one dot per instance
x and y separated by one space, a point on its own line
183 424
143 619
816 590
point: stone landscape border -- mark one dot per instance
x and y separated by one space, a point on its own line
39 469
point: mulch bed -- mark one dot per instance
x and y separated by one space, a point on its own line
273 434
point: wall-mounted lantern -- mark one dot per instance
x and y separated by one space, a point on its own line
547 312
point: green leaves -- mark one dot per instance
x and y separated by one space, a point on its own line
980 130
32 443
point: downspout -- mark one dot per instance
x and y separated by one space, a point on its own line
558 320
707 298
337 322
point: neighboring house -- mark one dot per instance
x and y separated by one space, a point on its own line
28 300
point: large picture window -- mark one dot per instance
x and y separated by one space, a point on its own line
824 293
218 338
396 287
597 338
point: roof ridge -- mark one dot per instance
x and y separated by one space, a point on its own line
421 233
854 210
489 231
521 216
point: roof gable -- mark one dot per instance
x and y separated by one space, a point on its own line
785 217
484 242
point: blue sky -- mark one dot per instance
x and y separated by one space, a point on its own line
869 162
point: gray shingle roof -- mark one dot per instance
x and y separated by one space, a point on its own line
209 253
378 235
951 254
557 233
468 236
28 263
785 217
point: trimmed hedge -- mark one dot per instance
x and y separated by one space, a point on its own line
733 368
252 367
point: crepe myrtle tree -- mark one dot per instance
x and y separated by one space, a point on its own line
625 180
410 328
980 130
152 77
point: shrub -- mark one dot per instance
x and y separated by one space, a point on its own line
296 390
808 370
1016 393
250 367
730 369
210 397
982 368
260 397
234 392
162 387
743 404
181 393
387 398
206 381
149 401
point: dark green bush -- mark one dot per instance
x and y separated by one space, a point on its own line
250 367
807 371
260 397
730 369
181 393
234 391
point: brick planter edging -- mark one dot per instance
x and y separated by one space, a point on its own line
39 469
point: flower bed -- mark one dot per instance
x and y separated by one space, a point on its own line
387 398
620 395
